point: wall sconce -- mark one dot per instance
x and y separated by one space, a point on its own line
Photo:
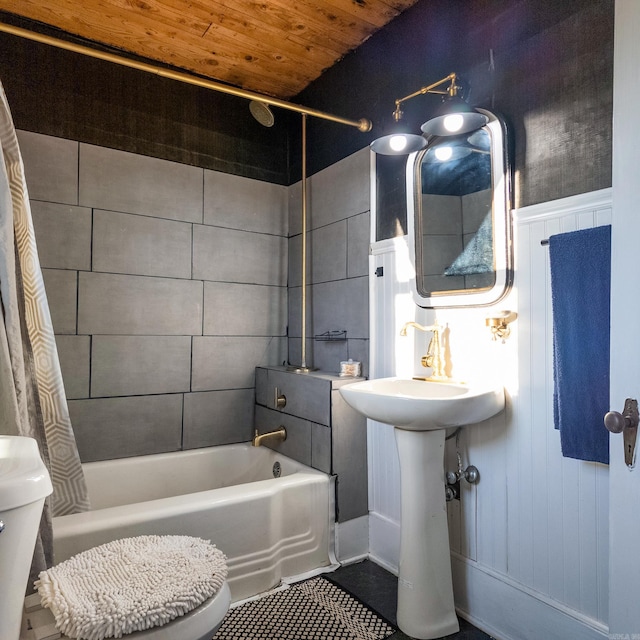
454 117
499 324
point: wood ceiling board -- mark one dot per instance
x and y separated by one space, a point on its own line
275 47
185 52
259 17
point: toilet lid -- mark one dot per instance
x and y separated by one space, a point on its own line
131 585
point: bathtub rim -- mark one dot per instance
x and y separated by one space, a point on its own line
92 522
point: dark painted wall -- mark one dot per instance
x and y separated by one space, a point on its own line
551 77
71 96
547 66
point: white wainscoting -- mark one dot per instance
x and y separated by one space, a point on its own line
533 534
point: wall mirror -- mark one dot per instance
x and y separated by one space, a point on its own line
459 218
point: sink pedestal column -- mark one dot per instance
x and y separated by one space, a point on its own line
425 590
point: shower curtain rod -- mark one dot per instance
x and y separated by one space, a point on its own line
363 124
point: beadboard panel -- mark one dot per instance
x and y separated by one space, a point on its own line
559 505
535 518
390 355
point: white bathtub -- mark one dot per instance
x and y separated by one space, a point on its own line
269 527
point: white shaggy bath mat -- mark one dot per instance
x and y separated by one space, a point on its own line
315 609
131 584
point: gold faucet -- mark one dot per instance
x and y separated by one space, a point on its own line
279 434
433 358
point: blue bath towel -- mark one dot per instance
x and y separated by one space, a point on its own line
580 292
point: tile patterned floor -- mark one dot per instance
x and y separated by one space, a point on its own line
377 588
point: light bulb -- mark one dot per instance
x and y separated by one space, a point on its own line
444 153
453 122
398 143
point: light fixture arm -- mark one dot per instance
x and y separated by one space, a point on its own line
454 117
451 91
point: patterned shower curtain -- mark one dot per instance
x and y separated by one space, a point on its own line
32 398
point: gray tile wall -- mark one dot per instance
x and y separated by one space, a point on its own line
453 221
337 266
323 431
167 287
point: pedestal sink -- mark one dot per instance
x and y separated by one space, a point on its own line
421 411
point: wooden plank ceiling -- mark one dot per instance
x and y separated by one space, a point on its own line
272 47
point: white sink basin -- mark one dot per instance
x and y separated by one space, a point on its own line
420 405
420 411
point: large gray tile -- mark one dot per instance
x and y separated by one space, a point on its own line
294 278
349 434
443 250
295 352
321 447
442 214
358 235
329 252
475 207
120 181
341 305
140 365
50 167
141 245
137 305
443 283
341 190
228 255
327 356
479 280
244 309
74 354
63 235
261 385
264 393
62 295
358 349
218 417
230 362
308 396
109 428
243 203
294 205
294 311
298 442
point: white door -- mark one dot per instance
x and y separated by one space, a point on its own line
624 518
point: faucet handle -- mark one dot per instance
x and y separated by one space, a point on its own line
279 399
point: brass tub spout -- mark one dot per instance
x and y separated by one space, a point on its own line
279 434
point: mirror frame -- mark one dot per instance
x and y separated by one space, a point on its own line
502 225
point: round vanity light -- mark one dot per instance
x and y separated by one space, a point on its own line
443 153
398 143
453 122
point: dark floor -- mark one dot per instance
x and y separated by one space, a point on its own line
378 589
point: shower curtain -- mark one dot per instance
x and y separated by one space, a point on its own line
32 398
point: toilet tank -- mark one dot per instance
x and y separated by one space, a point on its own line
24 485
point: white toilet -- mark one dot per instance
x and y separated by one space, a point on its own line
24 485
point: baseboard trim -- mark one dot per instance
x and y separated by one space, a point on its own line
508 610
352 540
384 542
492 601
